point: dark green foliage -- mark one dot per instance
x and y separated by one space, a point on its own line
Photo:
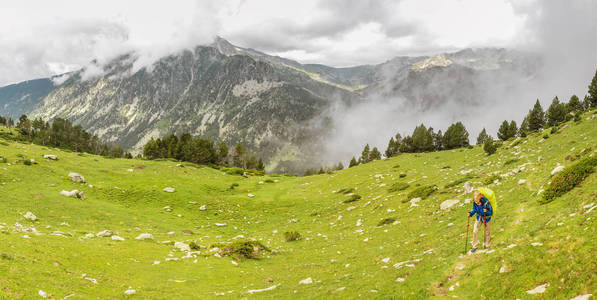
556 113
365 155
507 130
374 155
459 181
240 156
402 175
223 153
422 192
353 162
483 136
489 147
536 118
567 179
353 198
194 246
545 136
386 221
5 256
422 139
574 104
398 186
290 236
345 191
511 161
242 249
27 162
456 136
232 186
553 130
577 118
592 97
269 180
491 179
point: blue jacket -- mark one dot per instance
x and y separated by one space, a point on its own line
478 209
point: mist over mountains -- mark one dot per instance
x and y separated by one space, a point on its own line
294 115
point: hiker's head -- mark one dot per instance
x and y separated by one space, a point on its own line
477 197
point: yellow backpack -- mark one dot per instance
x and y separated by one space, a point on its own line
490 195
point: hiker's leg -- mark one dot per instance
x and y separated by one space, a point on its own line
487 235
476 234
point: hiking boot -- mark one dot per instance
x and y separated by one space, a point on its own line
473 250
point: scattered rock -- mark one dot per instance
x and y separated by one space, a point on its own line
448 203
203 207
539 289
269 279
42 294
468 187
187 232
105 233
76 177
145 236
307 280
73 194
251 195
30 216
169 190
262 290
117 238
385 260
400 279
167 208
557 170
511 246
522 181
50 157
504 269
536 244
130 292
582 297
414 201
182 246
221 224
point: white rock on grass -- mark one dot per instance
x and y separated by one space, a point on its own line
557 170
538 290
536 244
73 194
50 156
307 280
503 269
145 236
359 223
468 187
221 224
42 294
400 279
76 177
105 233
30 216
202 207
169 190
522 181
262 290
182 246
582 297
117 238
414 201
130 292
448 203
250 195
386 260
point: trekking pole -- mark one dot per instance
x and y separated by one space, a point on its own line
467 225
484 231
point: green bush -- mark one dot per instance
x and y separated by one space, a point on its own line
570 177
269 180
491 179
489 147
353 198
194 246
5 256
242 249
398 186
292 236
577 118
515 143
402 175
232 186
396 166
545 136
422 192
459 181
386 221
235 171
27 162
553 130
345 191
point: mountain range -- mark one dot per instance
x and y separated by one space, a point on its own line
279 108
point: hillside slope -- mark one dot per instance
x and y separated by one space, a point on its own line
343 250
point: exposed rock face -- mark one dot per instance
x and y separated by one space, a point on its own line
145 236
448 203
76 177
557 170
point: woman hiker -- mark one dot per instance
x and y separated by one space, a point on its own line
482 208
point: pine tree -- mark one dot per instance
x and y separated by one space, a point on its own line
252 162
340 166
438 141
536 118
593 92
374 155
482 137
353 162
512 129
223 153
391 147
574 104
456 136
489 147
524 127
240 154
365 155
504 131
422 139
260 165
556 113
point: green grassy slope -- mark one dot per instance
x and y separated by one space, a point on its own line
343 249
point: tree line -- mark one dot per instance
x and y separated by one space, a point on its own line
424 139
60 133
201 151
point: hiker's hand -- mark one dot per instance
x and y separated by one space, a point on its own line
470 215
485 210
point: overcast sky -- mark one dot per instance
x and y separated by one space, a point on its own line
40 38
